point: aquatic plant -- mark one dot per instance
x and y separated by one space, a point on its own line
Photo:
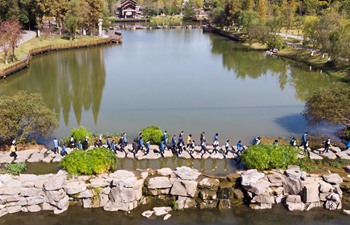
153 134
80 133
15 168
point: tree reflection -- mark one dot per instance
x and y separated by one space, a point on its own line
74 78
252 64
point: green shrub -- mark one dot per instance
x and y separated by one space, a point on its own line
16 168
269 156
80 133
95 161
153 134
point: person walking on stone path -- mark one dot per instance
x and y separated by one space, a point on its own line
147 146
227 147
306 147
13 150
240 147
140 143
64 150
189 140
202 138
124 140
55 146
173 142
275 143
134 147
181 137
113 146
327 144
165 140
215 143
191 147
108 142
161 148
79 145
72 142
304 137
203 147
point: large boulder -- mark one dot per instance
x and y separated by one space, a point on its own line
185 202
292 186
333 178
55 182
311 192
122 194
164 171
260 187
333 202
158 183
186 173
275 179
293 203
250 177
186 188
74 187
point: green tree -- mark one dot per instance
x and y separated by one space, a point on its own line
73 19
289 8
247 18
8 9
25 116
261 8
329 105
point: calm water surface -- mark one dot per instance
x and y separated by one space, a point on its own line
177 79
240 216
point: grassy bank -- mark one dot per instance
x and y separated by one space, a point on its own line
43 42
341 71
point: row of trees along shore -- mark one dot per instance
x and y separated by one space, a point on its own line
325 25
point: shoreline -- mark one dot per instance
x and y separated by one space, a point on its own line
25 62
342 74
182 188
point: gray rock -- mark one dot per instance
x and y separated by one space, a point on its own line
35 200
15 184
277 191
325 187
335 149
74 187
58 158
47 159
185 202
295 206
333 202
85 194
293 172
293 198
156 192
166 217
260 187
116 206
329 155
260 206
121 174
7 159
9 191
14 209
314 156
31 192
209 183
347 212
292 186
56 182
47 207
333 178
36 157
160 211
63 204
264 199
310 192
34 208
208 204
103 199
3 212
185 188
55 196
250 177
147 213
158 183
98 183
312 205
121 194
164 171
275 179
186 173
87 203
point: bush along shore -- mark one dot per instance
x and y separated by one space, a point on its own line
181 188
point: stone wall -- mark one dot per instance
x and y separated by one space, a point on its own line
182 188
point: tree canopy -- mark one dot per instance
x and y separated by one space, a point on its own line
329 105
25 116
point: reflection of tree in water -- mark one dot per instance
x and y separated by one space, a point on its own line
254 64
71 78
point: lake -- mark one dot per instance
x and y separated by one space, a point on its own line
176 79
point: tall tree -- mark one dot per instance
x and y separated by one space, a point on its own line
10 33
261 8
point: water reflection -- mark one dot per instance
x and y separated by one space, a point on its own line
255 65
70 79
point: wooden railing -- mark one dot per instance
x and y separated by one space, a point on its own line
24 63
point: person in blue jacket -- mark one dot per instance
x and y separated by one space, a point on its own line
173 142
348 145
140 144
64 150
240 147
147 146
161 148
304 138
